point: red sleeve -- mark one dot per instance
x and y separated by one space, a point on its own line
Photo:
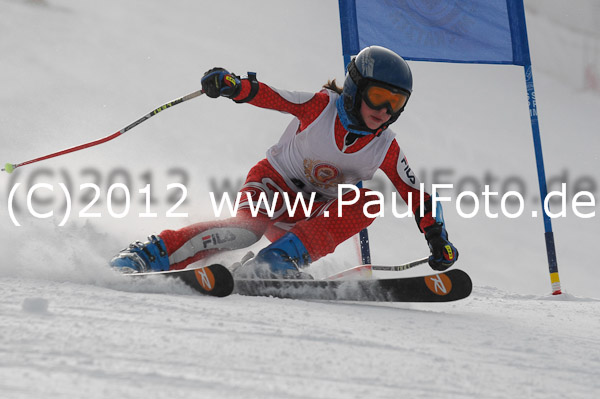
304 106
403 177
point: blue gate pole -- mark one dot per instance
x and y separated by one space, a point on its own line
539 158
365 249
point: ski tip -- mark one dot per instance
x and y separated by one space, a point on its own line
215 280
448 286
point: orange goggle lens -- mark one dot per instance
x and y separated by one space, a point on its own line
377 97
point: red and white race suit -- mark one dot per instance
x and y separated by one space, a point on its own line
312 156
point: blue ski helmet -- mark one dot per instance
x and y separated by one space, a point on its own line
374 64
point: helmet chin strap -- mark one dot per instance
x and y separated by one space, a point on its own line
365 131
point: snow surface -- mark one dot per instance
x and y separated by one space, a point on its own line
85 340
73 72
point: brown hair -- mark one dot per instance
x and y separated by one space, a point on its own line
332 85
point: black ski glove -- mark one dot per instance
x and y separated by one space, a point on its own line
443 253
218 82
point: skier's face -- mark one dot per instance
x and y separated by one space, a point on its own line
373 118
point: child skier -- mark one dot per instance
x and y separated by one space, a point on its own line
337 137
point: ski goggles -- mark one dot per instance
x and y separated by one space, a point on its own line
377 97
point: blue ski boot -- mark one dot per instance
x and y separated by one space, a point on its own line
139 257
282 259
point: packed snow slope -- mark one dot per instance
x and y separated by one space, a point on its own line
108 339
72 72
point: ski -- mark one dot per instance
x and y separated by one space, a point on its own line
442 287
214 280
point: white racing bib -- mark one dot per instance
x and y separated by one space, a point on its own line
310 160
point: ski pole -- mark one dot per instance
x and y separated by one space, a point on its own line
405 266
366 271
9 168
